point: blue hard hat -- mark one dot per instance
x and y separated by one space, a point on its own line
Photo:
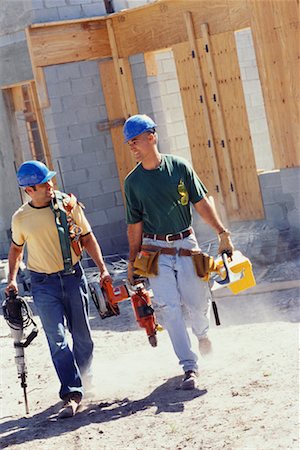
136 125
31 173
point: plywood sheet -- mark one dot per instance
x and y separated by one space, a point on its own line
194 117
240 148
276 43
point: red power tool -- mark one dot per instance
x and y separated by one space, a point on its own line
106 300
144 313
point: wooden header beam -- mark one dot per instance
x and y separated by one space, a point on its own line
148 28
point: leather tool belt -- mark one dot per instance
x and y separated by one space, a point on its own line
169 237
146 262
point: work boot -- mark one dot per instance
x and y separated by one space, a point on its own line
205 346
71 405
190 380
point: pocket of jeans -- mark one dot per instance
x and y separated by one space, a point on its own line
38 278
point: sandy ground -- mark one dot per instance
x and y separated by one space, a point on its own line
248 396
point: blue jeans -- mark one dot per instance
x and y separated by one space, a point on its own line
181 298
63 300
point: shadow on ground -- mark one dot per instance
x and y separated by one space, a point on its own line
165 398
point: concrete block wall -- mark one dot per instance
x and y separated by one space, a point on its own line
14 67
55 10
82 155
281 197
254 100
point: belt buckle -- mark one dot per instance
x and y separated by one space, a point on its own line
168 238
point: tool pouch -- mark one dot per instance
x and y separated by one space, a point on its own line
146 263
204 264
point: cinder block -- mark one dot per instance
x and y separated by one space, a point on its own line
82 86
101 202
65 163
270 179
79 2
115 214
88 189
55 105
60 134
97 218
256 98
71 148
119 198
93 143
111 185
68 71
290 184
92 100
78 175
136 59
138 70
59 89
65 118
54 3
84 161
89 68
290 172
168 65
45 15
172 86
94 9
80 131
37 4
88 115
294 218
51 74
70 12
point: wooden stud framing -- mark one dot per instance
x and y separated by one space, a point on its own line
39 75
231 187
209 132
124 158
168 23
41 124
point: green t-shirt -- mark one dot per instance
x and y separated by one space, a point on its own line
161 198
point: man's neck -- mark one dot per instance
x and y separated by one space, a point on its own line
39 204
153 162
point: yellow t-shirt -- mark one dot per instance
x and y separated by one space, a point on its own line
36 227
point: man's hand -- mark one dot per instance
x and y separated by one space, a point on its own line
225 244
12 286
105 276
130 273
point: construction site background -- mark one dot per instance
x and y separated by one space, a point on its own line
83 156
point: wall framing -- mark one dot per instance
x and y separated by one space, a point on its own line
162 25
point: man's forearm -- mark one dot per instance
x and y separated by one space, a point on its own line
14 260
93 249
134 233
209 215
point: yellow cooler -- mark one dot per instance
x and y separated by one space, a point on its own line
239 263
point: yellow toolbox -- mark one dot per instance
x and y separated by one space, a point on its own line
238 263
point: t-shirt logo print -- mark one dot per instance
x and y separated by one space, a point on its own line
184 196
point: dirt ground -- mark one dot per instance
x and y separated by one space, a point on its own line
247 399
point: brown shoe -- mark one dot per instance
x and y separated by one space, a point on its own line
190 381
205 346
71 406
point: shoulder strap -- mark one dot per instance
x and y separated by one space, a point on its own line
61 222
